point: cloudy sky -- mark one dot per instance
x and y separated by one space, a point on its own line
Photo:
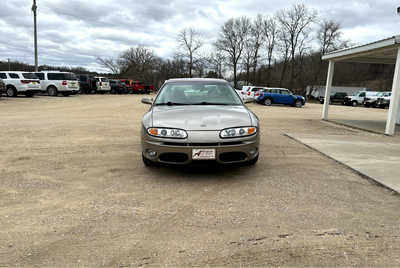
75 32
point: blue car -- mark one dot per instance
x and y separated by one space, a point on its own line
271 96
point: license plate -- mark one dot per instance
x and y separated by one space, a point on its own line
203 154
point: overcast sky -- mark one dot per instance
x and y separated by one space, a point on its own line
75 32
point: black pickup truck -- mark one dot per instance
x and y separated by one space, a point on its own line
337 97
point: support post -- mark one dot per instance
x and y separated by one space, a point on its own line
34 9
328 88
394 100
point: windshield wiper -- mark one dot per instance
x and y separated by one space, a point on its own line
210 103
170 103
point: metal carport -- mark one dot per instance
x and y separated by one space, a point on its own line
386 51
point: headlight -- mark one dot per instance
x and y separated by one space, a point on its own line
237 132
172 133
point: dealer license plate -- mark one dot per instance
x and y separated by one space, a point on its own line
203 154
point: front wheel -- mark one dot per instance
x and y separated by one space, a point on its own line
298 104
354 103
267 102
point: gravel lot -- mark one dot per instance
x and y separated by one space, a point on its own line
74 192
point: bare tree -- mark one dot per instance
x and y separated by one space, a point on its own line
296 22
110 64
252 45
139 61
216 62
190 41
270 31
230 41
329 36
258 37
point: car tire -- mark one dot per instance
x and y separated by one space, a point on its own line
354 103
298 104
252 162
148 162
11 92
268 102
52 91
65 94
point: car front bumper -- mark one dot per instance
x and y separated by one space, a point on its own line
179 152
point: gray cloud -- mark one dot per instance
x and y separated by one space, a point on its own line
75 32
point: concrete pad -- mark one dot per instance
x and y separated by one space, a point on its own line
376 126
373 156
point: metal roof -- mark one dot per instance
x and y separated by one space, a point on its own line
382 51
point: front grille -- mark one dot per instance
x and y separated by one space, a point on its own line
174 157
203 144
232 156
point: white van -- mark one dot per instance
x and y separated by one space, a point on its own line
55 82
18 83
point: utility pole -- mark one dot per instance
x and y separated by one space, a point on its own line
34 8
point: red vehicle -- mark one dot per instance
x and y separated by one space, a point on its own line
138 87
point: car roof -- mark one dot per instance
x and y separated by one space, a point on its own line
195 80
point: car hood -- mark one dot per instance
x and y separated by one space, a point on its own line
200 117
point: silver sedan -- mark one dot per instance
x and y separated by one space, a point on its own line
199 120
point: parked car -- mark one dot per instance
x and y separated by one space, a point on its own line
102 85
127 84
384 101
18 83
337 97
358 98
371 101
138 87
148 89
3 88
87 83
56 82
249 93
118 87
280 96
198 119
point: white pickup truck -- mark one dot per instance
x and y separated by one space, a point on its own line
358 98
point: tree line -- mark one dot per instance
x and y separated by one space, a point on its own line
282 50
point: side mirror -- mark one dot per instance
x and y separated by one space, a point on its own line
147 101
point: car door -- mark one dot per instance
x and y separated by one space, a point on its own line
285 97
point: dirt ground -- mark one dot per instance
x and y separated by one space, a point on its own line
74 192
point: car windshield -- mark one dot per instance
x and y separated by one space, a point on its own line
197 93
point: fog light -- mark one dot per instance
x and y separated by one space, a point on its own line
253 151
151 153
